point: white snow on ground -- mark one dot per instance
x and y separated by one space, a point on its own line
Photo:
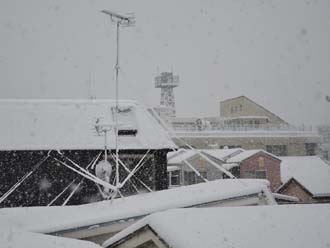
52 219
70 124
11 238
291 226
310 171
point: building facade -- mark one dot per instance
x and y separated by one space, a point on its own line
246 124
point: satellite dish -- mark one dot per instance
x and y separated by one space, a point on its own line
103 170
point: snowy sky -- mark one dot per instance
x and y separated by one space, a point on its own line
275 52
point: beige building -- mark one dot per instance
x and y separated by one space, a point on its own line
279 143
246 124
241 107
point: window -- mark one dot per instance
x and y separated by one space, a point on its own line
250 174
310 149
240 107
127 132
189 177
200 179
260 174
277 150
173 178
230 147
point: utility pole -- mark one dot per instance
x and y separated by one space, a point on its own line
120 21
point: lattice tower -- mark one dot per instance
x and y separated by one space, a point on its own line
166 81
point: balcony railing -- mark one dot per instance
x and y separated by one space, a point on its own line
190 127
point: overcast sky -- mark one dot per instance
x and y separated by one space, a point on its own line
275 52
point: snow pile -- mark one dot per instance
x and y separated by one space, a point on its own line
310 171
71 124
132 207
293 226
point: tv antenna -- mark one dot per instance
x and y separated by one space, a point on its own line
120 21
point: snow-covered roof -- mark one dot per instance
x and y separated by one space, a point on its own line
12 238
132 207
172 168
288 198
179 156
247 154
70 124
229 166
291 226
222 154
310 171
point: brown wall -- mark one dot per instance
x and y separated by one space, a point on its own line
269 164
294 189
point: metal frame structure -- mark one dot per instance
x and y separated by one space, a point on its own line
125 21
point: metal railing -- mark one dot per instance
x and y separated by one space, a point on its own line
189 127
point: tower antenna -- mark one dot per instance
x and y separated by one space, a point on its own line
120 21
166 81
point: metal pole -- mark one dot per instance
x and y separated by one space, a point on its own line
105 146
128 21
116 114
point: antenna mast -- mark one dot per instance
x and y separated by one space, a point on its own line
121 21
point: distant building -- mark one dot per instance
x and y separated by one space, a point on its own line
324 131
238 108
258 164
185 165
245 124
307 178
